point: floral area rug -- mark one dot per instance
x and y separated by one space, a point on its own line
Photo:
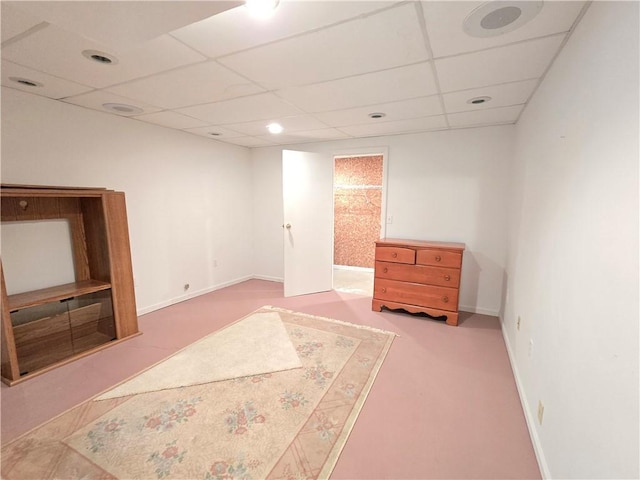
289 424
254 345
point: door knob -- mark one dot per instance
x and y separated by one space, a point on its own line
288 225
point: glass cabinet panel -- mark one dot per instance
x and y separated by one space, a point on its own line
91 320
46 334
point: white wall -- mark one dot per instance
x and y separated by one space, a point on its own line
447 186
188 198
573 252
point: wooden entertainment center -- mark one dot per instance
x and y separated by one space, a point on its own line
45 328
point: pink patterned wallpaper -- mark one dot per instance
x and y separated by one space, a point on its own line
357 204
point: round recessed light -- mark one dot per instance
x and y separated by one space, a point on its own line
26 82
478 100
275 128
100 57
122 108
377 115
500 16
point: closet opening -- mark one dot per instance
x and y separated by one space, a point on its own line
358 205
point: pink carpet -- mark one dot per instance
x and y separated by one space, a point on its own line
444 405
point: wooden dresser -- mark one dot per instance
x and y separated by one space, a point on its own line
418 276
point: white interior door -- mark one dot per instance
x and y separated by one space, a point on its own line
307 186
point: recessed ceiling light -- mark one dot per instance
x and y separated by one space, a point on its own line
275 128
100 57
26 82
478 100
122 108
261 8
377 115
500 16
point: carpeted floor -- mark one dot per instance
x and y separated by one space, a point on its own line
278 424
444 405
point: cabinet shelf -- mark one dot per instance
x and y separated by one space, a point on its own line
19 301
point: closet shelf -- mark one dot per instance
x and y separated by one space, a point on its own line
52 294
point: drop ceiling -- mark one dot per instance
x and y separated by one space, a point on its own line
319 68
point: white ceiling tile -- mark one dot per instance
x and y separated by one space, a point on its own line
397 127
521 61
251 142
236 29
385 40
286 139
244 109
317 67
402 110
515 93
123 24
171 120
96 99
492 116
52 87
309 136
208 131
194 84
14 21
445 19
290 124
322 134
370 89
57 52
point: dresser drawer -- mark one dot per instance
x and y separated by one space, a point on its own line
439 258
445 277
396 255
416 294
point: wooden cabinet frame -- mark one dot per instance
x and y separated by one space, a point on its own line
102 260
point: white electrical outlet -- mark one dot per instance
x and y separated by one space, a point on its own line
389 219
530 348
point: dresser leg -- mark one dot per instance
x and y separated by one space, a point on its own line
376 306
452 319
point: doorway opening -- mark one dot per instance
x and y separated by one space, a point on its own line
357 202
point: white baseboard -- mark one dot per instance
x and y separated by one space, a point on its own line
269 279
528 415
182 298
480 310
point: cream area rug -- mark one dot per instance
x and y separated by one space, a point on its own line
289 424
254 345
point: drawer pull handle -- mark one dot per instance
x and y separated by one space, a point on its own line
445 299
447 277
394 255
385 270
438 258
384 290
